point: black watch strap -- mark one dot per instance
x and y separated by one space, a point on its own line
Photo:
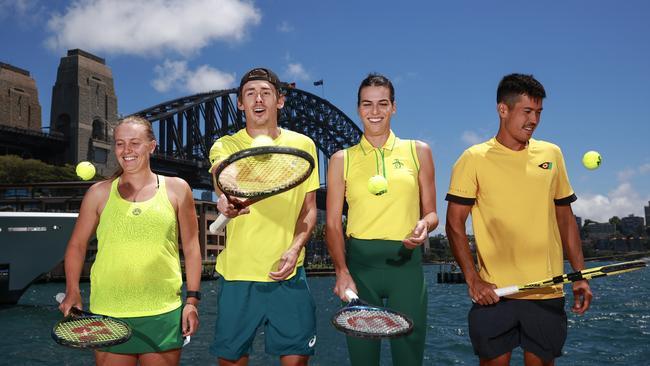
195 294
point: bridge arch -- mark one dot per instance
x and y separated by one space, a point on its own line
187 127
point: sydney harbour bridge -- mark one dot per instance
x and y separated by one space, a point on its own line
84 110
186 128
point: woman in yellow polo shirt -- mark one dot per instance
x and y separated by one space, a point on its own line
138 216
380 256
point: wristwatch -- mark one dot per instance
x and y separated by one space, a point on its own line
195 294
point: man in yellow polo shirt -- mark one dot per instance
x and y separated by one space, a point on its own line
262 277
518 193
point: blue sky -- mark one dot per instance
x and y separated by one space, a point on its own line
445 58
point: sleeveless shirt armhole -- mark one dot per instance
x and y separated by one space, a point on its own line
414 154
346 162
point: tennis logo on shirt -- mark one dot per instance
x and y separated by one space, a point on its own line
547 165
397 164
312 341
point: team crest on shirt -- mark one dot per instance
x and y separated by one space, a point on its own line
397 164
547 165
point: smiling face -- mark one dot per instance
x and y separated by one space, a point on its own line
375 110
133 146
517 123
260 102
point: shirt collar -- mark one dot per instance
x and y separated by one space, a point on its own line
367 147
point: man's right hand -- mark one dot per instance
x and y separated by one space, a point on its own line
228 209
482 292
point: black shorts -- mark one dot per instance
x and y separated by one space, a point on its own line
538 326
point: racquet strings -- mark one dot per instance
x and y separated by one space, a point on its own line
372 321
266 173
89 331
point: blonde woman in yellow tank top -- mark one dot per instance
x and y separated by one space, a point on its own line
379 255
138 217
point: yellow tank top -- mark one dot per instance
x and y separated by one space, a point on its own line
137 268
392 215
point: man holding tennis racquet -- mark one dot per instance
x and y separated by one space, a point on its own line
382 258
263 281
518 193
138 216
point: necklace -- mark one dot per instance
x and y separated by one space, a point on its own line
141 188
136 210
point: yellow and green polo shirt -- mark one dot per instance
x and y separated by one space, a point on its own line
392 215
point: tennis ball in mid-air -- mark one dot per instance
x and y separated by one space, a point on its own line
377 185
591 160
85 170
262 140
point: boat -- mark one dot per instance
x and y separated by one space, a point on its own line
31 244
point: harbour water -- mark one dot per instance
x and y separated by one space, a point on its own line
615 331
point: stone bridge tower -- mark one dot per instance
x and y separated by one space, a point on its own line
84 109
19 106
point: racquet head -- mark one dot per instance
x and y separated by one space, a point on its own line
83 330
361 320
260 172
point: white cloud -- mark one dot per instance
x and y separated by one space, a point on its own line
629 173
621 201
176 75
206 78
295 71
472 138
285 27
154 26
644 169
626 174
169 74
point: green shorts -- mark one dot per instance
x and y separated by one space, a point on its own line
156 333
285 309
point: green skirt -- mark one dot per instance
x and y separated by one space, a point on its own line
156 333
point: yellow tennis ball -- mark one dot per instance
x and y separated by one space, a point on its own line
591 160
85 170
377 185
262 140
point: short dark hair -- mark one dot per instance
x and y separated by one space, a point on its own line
514 85
375 79
260 73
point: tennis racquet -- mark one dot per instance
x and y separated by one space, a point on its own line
585 274
254 174
81 329
359 319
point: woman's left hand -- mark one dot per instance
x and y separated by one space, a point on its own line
418 236
190 319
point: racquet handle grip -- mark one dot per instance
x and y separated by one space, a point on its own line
504 291
351 295
219 223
